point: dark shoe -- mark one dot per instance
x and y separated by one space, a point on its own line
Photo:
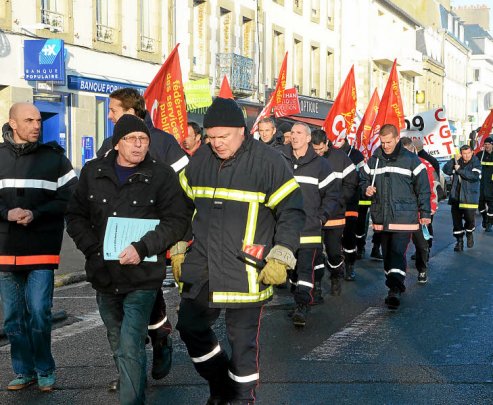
215 401
459 246
360 253
349 274
488 228
393 299
375 253
114 386
335 286
470 239
161 358
21 382
317 294
422 277
299 315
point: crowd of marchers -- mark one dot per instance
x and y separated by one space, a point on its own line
239 216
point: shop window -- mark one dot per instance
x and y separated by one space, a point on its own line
106 21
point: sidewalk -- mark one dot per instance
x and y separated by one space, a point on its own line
71 268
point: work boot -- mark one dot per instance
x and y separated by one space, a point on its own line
470 239
349 274
335 286
161 358
299 315
317 294
393 299
360 253
375 253
488 227
459 246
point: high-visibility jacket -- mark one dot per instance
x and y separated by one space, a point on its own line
403 190
345 180
486 160
465 182
249 202
38 178
315 177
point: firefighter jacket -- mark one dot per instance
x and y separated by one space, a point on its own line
465 182
249 202
163 147
345 180
37 177
153 192
403 190
486 160
320 194
358 161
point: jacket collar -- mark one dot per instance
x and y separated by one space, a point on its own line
287 151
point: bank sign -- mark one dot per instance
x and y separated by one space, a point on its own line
98 86
44 60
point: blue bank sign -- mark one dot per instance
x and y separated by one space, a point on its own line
98 86
44 60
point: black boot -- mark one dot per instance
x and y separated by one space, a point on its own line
470 239
161 358
488 227
375 253
360 252
299 315
335 286
459 246
393 299
317 294
349 274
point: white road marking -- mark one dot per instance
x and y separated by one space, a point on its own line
363 325
92 297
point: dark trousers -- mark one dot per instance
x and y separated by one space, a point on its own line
362 226
159 325
349 239
333 247
486 210
422 250
304 276
229 379
394 246
463 220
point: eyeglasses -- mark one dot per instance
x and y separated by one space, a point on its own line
144 140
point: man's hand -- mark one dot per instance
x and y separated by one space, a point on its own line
129 255
425 221
370 191
274 272
15 214
25 218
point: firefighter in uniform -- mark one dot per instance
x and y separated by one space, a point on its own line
345 180
486 190
319 198
398 184
249 214
464 195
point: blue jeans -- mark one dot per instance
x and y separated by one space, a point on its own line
27 298
126 317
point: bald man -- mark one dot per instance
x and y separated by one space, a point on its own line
36 182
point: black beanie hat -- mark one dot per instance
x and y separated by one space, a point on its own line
488 140
224 112
127 124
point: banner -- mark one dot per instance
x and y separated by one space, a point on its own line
433 129
225 91
390 110
165 98
351 136
340 118
484 132
198 94
289 105
362 137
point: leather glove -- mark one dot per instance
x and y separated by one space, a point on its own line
177 255
274 272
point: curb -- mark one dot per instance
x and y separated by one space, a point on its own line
71 278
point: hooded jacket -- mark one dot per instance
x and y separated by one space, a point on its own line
465 182
37 177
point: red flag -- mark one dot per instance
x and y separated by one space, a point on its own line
484 132
340 118
390 110
165 98
290 104
277 95
225 91
362 138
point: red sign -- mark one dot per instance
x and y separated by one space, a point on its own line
289 105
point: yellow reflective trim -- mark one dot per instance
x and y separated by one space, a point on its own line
487 163
311 239
281 193
242 298
364 202
248 239
184 184
229 194
468 206
203 192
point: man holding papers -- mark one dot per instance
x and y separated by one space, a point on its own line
127 196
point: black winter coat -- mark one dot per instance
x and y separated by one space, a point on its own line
465 182
486 190
153 192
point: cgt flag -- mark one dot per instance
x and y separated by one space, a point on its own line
390 110
225 91
165 98
484 132
277 95
340 118
362 138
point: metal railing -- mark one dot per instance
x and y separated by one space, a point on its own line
105 33
147 44
53 19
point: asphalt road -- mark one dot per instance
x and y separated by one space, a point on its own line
436 349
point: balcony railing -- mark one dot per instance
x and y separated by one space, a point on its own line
147 44
105 33
240 72
54 20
